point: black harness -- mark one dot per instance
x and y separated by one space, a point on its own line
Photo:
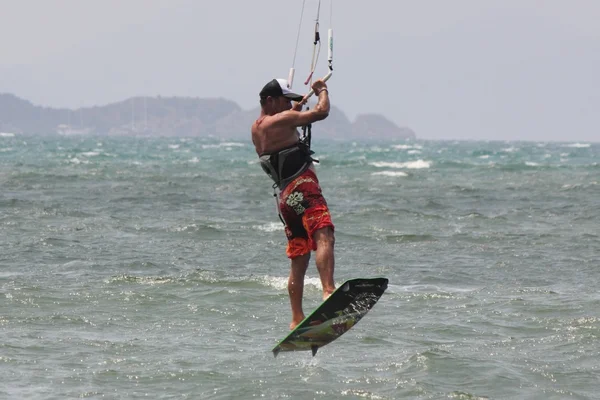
286 164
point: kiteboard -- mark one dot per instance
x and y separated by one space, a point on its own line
335 316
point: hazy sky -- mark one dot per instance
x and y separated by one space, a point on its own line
460 69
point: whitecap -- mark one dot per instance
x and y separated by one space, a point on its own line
419 164
385 164
174 146
390 173
281 283
269 227
7 134
233 144
191 227
90 153
77 161
226 145
407 146
579 145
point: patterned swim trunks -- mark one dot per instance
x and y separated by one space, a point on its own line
304 210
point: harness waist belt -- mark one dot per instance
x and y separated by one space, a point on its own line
286 164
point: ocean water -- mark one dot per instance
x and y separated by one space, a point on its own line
155 268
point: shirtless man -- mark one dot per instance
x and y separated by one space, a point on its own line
302 206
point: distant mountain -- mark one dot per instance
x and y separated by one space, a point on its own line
375 125
172 116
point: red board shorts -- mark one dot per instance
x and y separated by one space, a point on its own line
304 210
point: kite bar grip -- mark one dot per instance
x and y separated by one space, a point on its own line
325 79
330 46
291 78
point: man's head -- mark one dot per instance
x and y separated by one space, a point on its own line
276 96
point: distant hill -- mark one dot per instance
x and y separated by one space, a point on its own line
172 116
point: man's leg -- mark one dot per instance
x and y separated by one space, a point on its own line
325 240
296 287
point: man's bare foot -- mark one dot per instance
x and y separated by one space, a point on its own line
295 322
326 294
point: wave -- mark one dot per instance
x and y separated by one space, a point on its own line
390 173
311 283
407 147
141 280
409 238
223 145
269 227
583 186
280 282
525 166
217 278
77 161
204 229
90 153
512 166
579 145
458 164
418 164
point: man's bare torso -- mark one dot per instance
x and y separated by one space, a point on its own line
269 136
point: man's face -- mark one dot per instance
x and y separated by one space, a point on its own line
282 103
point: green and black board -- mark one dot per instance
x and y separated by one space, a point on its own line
335 316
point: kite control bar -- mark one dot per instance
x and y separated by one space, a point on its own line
325 79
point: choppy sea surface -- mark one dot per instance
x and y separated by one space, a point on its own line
155 268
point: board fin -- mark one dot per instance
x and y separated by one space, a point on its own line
276 351
314 349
